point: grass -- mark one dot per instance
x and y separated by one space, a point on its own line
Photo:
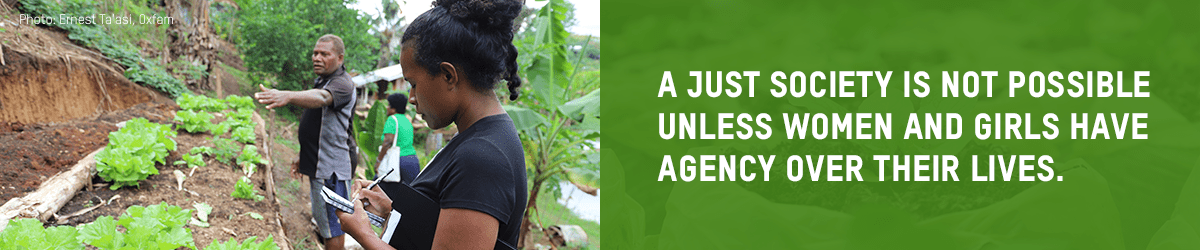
287 142
550 213
245 84
304 244
290 188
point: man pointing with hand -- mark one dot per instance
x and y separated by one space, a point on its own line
326 148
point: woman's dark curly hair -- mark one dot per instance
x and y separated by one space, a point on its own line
474 35
398 102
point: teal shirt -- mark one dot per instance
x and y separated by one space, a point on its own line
399 125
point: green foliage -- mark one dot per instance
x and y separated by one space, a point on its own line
248 244
28 233
154 35
555 118
200 103
203 150
243 115
224 20
226 150
588 52
544 55
132 151
249 159
194 122
219 129
154 227
244 134
188 69
278 36
137 69
368 132
245 190
240 103
192 160
241 124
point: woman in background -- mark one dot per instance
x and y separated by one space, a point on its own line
397 150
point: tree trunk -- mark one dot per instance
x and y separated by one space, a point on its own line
52 194
385 50
527 224
384 58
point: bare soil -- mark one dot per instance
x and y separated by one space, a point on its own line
30 153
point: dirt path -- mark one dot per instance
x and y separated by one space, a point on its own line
292 192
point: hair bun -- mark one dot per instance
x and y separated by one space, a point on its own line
487 13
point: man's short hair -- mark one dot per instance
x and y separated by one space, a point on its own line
337 43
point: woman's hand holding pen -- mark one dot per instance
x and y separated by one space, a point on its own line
374 200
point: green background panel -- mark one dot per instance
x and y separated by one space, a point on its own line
1115 194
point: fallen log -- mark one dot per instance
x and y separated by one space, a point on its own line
52 194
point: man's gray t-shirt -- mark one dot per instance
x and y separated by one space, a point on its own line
324 140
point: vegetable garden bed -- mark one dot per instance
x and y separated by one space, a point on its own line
212 184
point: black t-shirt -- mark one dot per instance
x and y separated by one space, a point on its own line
481 169
327 123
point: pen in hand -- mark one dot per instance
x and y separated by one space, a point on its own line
371 186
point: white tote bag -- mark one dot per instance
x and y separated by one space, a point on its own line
391 159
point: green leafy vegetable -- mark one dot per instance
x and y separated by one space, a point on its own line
194 122
191 160
200 103
101 233
155 227
132 151
248 244
245 190
244 135
240 103
249 159
28 234
202 150
243 115
219 129
226 150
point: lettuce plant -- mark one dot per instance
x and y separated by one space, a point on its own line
132 152
192 160
249 159
200 103
244 135
28 233
202 150
154 227
245 190
239 103
194 122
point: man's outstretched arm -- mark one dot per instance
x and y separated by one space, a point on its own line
313 98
